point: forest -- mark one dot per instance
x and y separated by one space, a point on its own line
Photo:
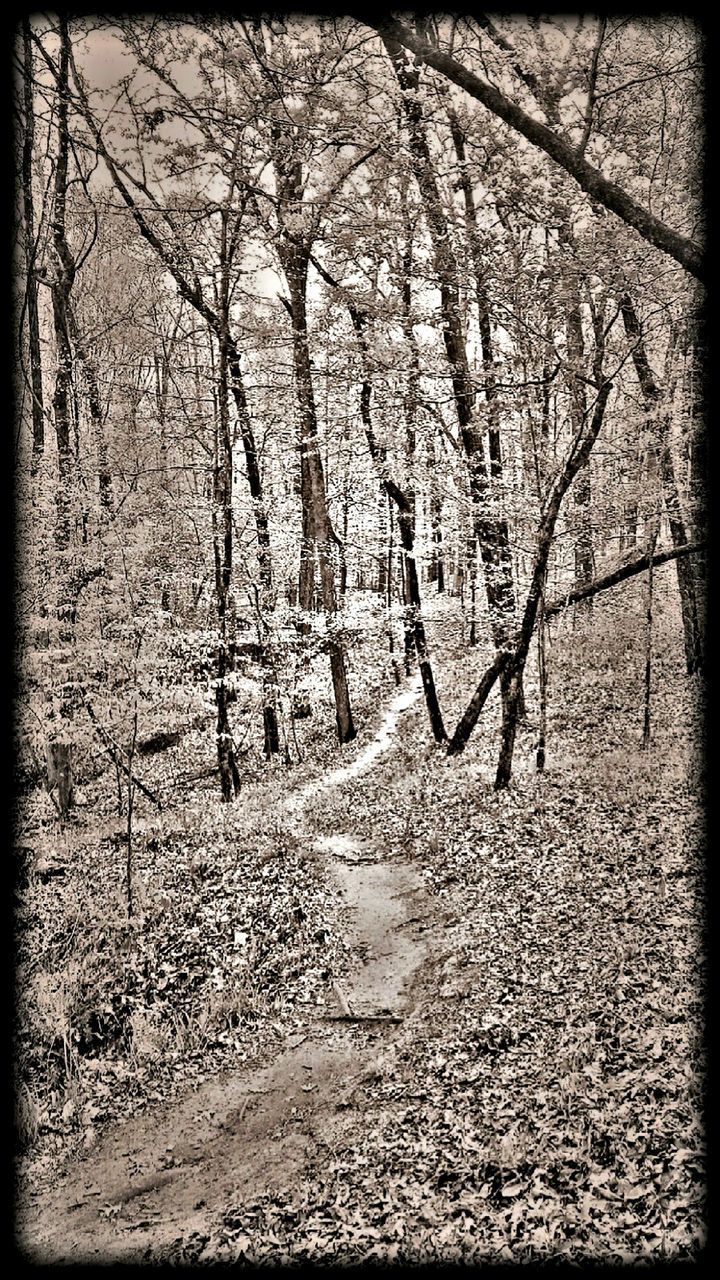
361 518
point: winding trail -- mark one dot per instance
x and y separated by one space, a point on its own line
170 1173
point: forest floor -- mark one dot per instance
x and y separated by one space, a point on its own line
464 1024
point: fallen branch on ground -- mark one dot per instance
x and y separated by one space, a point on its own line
362 1017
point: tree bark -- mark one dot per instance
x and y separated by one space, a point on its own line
511 660
382 562
31 295
61 289
437 561
222 528
294 259
60 774
648 644
491 531
481 296
653 396
405 505
584 559
95 408
620 574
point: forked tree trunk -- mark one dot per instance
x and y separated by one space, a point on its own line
512 661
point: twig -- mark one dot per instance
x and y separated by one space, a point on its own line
114 752
362 1017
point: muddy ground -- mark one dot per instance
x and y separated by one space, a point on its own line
169 1174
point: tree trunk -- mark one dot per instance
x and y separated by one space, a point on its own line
491 531
382 543
542 682
511 661
472 583
306 578
648 645
60 757
481 297
31 296
222 528
389 595
95 408
584 560
437 561
60 774
61 290
294 261
652 396
266 595
407 538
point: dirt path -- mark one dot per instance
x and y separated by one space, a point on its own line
170 1173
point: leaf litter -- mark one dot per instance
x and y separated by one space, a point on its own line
544 1097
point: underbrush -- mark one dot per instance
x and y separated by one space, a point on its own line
545 1099
233 937
231 943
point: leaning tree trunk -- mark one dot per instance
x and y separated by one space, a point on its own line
512 661
578 459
